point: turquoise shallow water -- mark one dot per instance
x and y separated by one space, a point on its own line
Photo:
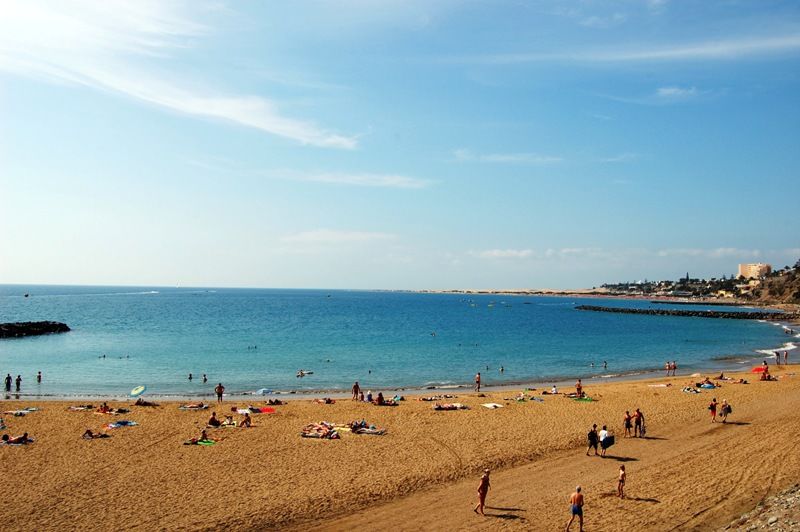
156 336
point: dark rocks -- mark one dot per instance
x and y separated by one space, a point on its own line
31 328
695 313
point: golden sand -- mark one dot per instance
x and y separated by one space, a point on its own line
687 474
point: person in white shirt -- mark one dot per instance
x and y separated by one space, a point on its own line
603 435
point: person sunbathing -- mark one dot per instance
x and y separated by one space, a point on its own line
247 422
275 402
194 405
18 440
89 435
142 402
213 421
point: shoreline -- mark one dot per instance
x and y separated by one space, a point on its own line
736 364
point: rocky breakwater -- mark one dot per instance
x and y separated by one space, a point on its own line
31 328
734 315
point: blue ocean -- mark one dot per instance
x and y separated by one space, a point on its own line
255 339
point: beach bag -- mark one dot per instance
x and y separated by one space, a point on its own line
729 409
607 442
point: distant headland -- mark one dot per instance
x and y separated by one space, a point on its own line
31 328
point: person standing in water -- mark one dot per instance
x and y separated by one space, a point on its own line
39 377
205 378
19 381
483 489
218 390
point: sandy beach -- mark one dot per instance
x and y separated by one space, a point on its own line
687 474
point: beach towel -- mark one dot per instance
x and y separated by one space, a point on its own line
186 407
450 406
80 408
195 441
26 442
707 386
321 430
120 423
22 412
492 405
368 430
537 399
583 399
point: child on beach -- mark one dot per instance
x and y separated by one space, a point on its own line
621 482
483 489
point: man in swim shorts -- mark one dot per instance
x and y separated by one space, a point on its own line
621 482
478 382
218 390
579 388
576 508
356 391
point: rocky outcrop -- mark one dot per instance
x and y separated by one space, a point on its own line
31 328
744 315
778 513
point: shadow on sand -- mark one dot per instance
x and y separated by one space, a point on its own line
508 516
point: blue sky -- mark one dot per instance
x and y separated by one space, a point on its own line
418 144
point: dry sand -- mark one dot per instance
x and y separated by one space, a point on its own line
688 473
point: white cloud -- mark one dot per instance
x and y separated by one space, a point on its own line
713 253
331 236
125 48
503 254
464 155
728 49
621 158
356 179
676 93
602 22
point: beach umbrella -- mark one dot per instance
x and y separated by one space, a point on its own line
139 390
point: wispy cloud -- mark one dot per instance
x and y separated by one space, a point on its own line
713 253
676 93
503 254
331 236
621 158
125 48
603 22
463 155
727 49
355 179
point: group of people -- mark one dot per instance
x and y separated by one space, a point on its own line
724 410
670 367
205 378
214 422
602 438
634 421
18 381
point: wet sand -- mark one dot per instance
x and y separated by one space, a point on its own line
687 474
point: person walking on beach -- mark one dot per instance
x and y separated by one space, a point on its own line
593 440
19 381
356 391
725 410
478 382
218 390
576 508
627 423
674 367
483 489
713 409
602 437
668 367
638 423
621 482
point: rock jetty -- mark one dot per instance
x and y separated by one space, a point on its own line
734 315
31 328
